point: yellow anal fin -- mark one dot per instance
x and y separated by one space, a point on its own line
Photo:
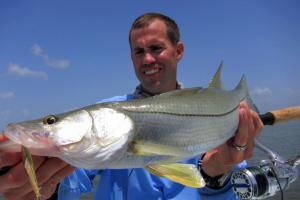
185 174
28 164
145 148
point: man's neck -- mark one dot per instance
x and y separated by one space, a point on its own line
141 92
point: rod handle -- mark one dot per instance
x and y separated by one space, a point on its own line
280 115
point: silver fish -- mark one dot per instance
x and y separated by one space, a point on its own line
153 133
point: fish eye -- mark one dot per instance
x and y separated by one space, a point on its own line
51 119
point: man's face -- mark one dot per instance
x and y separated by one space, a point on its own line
155 58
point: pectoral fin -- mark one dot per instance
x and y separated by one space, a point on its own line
185 174
144 148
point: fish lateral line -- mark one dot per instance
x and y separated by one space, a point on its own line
183 114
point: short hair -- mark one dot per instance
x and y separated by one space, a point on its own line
144 20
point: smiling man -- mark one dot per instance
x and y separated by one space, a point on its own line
156 50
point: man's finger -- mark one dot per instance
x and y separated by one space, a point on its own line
9 159
3 137
48 188
47 170
16 177
26 187
241 136
258 124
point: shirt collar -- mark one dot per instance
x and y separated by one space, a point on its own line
141 93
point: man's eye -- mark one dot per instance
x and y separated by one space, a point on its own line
138 52
156 49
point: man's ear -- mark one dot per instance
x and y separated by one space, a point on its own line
179 50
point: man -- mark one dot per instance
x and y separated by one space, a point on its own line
156 50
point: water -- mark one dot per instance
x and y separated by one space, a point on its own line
285 140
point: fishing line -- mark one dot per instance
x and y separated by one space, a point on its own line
277 179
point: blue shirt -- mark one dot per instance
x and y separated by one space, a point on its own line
123 184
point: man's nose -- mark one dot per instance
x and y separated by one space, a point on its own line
148 58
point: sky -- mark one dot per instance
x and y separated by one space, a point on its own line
58 55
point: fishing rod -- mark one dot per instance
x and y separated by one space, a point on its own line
272 175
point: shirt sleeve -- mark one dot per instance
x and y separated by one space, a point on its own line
80 181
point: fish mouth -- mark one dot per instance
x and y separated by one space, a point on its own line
28 138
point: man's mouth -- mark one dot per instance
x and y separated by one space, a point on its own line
152 70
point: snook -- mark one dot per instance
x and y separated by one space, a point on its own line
152 133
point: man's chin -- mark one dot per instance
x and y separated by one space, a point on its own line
152 88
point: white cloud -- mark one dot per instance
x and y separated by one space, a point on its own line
262 91
37 50
60 64
7 95
52 62
15 69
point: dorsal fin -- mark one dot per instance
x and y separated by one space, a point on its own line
216 81
242 86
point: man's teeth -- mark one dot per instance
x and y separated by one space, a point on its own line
152 71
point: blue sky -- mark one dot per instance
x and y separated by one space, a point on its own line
60 55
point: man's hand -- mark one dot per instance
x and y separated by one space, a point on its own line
223 158
15 185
